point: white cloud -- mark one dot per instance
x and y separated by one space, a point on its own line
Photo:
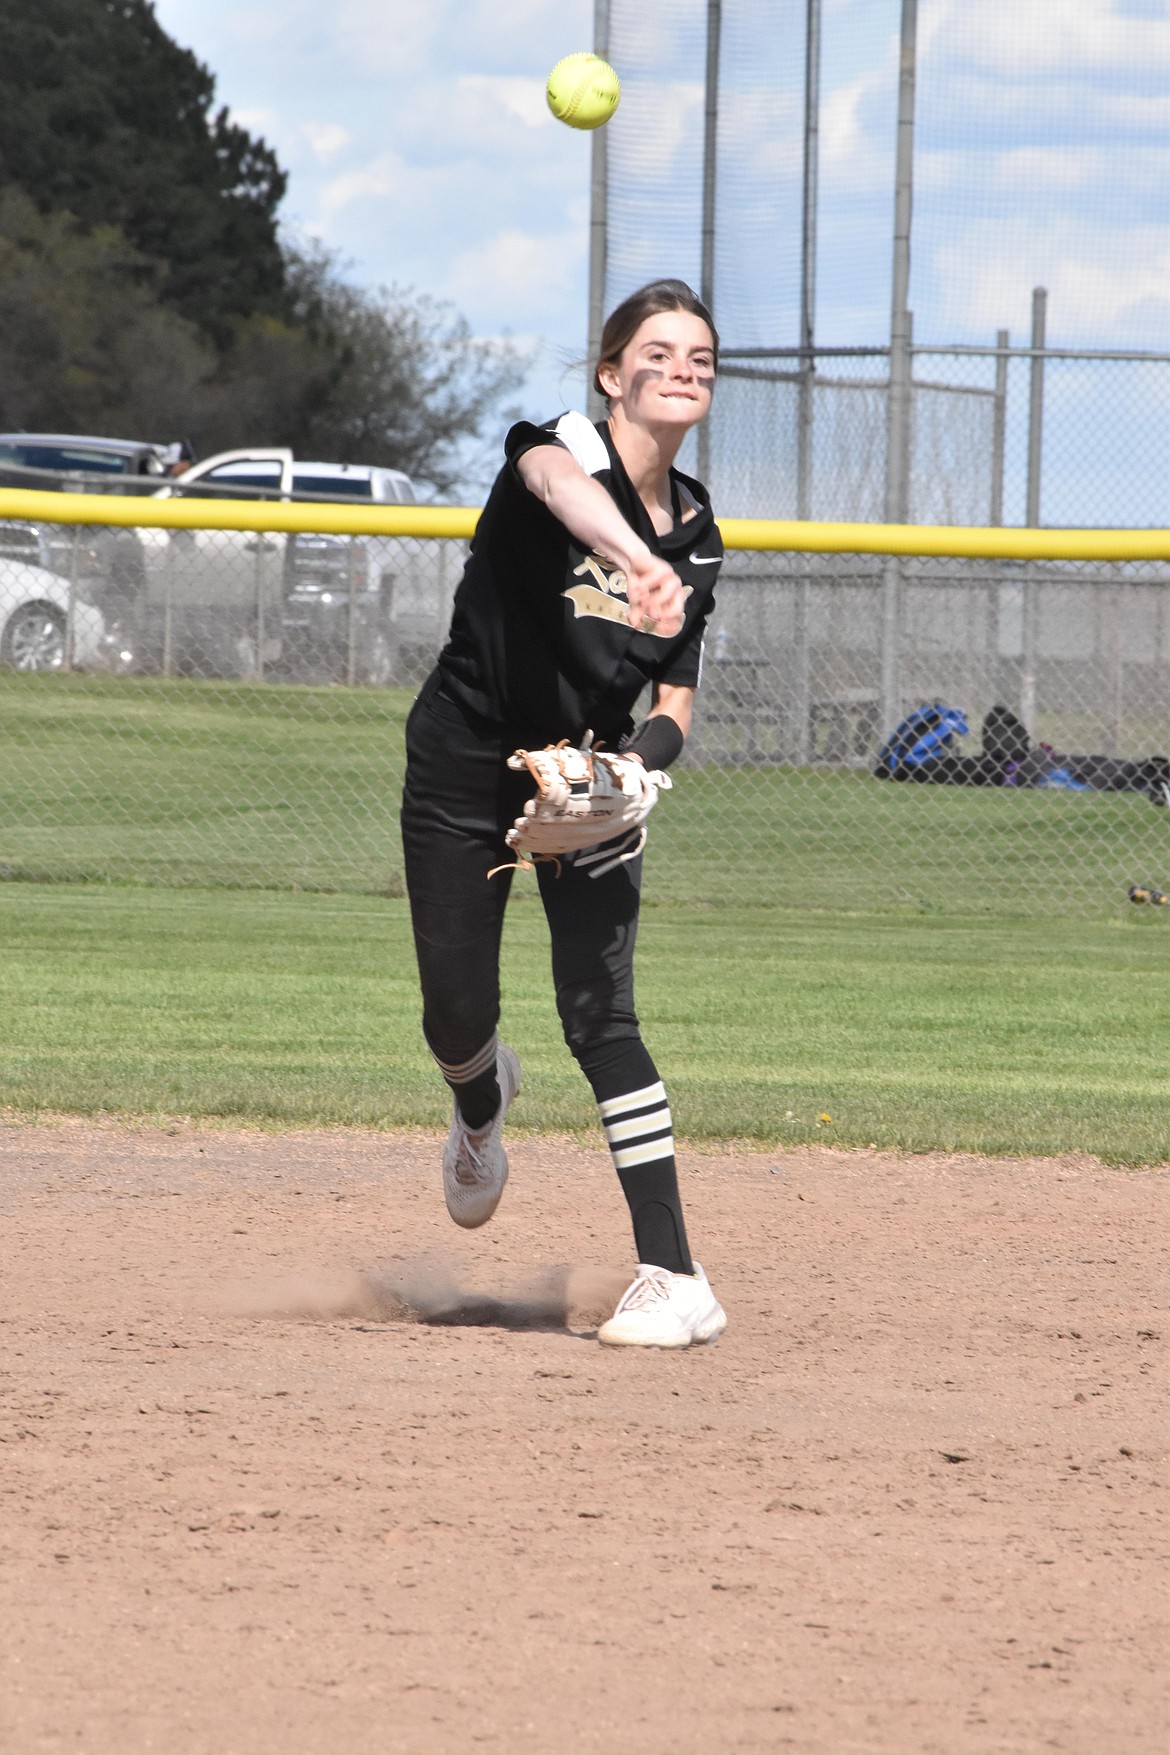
840 119
659 122
491 119
522 99
491 115
381 38
327 139
1018 38
852 158
1048 168
437 196
382 176
1131 112
846 145
973 105
521 273
258 121
765 136
520 19
1016 176
933 20
256 24
1097 280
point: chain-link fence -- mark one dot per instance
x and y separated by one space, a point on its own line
210 706
303 606
997 435
785 444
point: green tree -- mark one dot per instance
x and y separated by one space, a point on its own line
400 380
104 117
145 291
85 344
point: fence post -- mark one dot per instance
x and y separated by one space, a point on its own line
1115 601
995 509
442 614
261 631
999 426
72 610
801 682
897 509
1029 630
168 653
351 617
710 169
898 411
808 258
598 224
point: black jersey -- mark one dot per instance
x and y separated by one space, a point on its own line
541 641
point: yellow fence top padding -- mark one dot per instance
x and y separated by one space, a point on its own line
987 542
330 518
215 514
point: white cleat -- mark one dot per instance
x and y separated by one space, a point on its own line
661 1309
475 1164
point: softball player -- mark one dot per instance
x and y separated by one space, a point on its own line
590 575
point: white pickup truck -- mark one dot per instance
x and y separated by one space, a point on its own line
230 603
225 602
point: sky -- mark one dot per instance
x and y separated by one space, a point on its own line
420 148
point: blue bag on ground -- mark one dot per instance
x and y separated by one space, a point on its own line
922 748
921 739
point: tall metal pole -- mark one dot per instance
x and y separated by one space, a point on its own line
710 167
898 410
995 509
801 680
808 256
598 223
1036 403
898 406
999 426
710 152
1029 632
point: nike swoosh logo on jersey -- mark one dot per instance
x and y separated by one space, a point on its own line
705 560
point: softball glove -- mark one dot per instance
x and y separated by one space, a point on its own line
587 802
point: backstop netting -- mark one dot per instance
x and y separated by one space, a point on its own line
208 706
1038 163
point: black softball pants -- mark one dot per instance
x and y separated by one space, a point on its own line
459 800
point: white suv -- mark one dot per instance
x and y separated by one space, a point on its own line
276 473
306 605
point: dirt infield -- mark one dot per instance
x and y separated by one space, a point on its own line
291 1466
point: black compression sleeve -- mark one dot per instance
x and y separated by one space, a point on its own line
658 740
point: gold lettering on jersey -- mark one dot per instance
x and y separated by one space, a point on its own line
613 582
588 600
606 598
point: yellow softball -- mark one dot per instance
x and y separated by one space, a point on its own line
583 90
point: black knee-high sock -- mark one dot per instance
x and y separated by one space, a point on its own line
636 1117
475 1084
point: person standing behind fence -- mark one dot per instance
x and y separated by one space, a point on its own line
591 575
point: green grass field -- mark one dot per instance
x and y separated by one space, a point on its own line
283 1009
261 785
928 967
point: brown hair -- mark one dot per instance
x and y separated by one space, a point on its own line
624 322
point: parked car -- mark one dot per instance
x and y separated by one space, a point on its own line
36 632
231 603
106 564
70 454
